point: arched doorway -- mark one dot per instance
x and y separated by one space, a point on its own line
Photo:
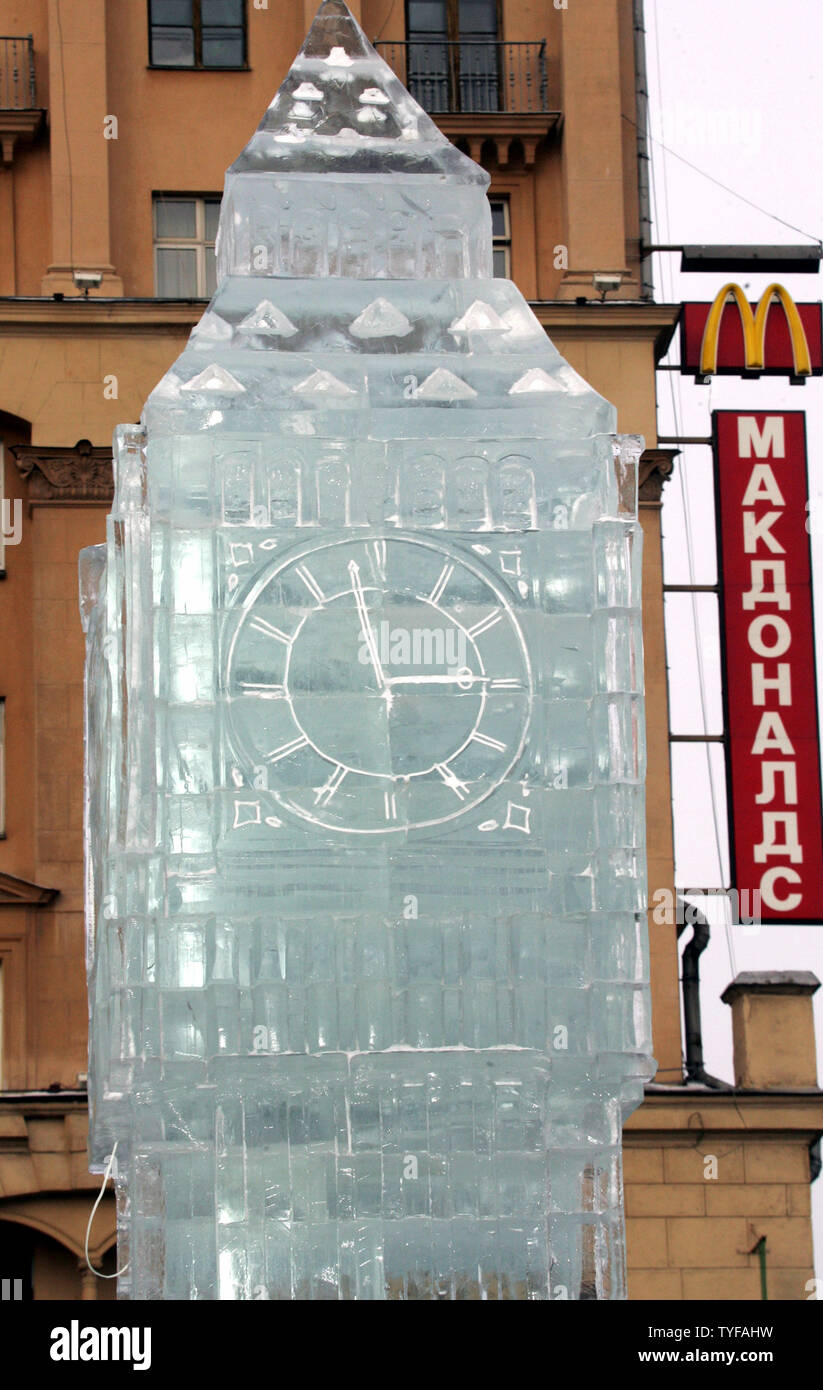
47 1270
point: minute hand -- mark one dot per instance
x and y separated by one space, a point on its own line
365 625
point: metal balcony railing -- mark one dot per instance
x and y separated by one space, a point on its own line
472 75
17 74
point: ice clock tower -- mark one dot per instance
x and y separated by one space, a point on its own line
367 964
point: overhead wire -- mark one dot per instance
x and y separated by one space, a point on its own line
382 29
726 188
677 414
66 132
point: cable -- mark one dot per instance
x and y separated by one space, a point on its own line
385 22
698 645
662 126
66 133
725 186
100 1194
677 405
702 690
674 388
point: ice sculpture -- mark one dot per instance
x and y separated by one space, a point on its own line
367 965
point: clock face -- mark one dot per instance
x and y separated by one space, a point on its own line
377 685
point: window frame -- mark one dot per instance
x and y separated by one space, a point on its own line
2 767
503 243
455 81
2 509
197 29
198 243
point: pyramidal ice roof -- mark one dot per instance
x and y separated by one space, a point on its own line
342 109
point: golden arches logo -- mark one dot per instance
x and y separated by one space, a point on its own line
754 329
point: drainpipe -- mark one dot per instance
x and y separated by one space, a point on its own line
695 1070
643 162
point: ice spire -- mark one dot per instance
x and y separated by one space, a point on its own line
343 155
340 89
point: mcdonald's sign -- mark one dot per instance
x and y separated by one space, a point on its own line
770 697
732 337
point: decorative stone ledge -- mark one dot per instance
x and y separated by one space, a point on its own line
656 467
502 129
66 477
17 125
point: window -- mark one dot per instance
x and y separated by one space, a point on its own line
501 239
453 54
197 33
184 233
452 19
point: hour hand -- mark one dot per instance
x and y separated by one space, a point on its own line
365 625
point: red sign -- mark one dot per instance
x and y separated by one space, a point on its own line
776 828
733 337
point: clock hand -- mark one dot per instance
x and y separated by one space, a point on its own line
365 625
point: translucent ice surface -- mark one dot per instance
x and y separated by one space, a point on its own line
364 805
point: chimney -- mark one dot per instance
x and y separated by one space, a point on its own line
773 1029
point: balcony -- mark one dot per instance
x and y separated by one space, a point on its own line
20 115
474 76
17 92
479 89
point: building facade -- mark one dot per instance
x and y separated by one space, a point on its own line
117 120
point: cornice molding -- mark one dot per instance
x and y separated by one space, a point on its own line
684 1115
83 474
18 892
638 319
67 477
77 315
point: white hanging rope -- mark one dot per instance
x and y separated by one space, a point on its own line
100 1195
